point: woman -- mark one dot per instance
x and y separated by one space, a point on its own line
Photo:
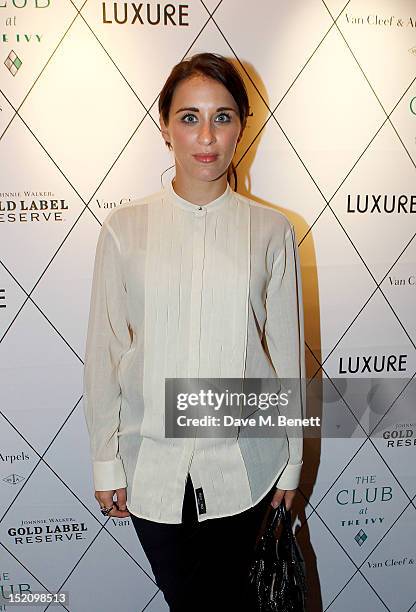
193 281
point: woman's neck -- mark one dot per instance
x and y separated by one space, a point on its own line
199 192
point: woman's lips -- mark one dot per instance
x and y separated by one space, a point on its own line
206 159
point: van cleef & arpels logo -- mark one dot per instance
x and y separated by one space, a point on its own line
380 21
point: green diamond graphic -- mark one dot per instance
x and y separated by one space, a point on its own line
361 537
13 62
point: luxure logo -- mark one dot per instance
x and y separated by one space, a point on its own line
382 203
146 14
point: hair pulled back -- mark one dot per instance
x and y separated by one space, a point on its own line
214 66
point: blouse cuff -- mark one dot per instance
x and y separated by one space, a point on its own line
290 477
109 475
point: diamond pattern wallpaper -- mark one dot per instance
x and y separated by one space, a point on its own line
332 144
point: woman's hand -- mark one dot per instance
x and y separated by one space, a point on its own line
105 499
287 495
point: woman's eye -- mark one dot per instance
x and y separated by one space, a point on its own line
224 117
221 118
188 116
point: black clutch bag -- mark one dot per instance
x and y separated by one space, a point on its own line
277 573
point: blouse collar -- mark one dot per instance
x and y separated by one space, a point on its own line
196 208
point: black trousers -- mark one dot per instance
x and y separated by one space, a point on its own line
203 566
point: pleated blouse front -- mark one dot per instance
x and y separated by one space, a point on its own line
181 290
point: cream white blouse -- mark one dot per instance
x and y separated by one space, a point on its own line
181 290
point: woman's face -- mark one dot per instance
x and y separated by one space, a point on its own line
204 128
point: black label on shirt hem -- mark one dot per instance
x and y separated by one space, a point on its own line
201 501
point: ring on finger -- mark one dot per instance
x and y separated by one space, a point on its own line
106 511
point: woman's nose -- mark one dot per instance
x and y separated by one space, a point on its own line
206 133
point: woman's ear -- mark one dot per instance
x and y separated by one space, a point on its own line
164 130
241 132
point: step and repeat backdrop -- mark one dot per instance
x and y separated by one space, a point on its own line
332 144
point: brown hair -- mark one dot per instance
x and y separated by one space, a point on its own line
214 66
